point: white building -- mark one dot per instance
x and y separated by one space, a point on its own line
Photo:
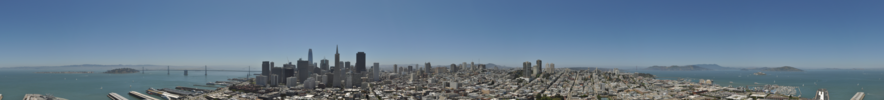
274 80
310 83
291 81
261 80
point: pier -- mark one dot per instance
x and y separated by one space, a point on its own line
142 96
115 96
859 96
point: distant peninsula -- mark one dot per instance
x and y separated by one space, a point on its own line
678 68
121 71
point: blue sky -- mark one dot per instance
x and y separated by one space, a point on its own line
594 33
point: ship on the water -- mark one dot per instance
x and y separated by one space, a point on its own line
760 73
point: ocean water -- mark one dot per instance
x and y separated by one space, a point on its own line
14 84
841 84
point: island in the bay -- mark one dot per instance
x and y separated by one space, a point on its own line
121 71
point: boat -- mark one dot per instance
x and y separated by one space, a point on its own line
759 73
210 83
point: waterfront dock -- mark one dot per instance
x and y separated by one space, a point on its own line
142 96
115 96
859 96
41 97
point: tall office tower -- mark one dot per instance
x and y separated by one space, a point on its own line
473 66
261 80
349 80
428 67
206 70
360 62
376 70
410 69
464 66
539 66
271 65
310 55
338 74
291 81
396 68
526 69
289 72
330 79
535 70
274 79
323 64
347 66
453 68
552 67
278 71
265 68
304 70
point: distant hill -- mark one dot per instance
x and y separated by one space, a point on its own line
784 68
678 68
711 66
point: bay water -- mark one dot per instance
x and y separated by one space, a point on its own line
14 84
841 84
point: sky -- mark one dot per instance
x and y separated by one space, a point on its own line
568 33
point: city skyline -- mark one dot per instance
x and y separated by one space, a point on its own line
818 34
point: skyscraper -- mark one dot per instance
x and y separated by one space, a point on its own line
338 72
453 68
396 68
310 55
539 67
360 62
348 67
427 67
289 71
526 69
265 68
277 71
274 80
410 69
376 71
305 69
323 64
472 66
